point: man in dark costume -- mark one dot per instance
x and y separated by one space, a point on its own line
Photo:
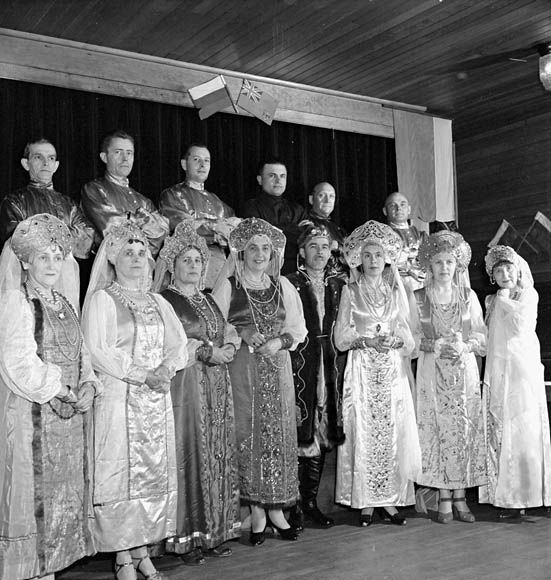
317 370
273 207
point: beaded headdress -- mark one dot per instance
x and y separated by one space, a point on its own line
310 230
117 235
242 234
498 254
184 238
39 232
371 232
445 241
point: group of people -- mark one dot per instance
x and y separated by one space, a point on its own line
201 379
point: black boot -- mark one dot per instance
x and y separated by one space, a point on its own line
296 517
309 471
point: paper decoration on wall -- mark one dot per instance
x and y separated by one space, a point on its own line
211 97
257 102
534 245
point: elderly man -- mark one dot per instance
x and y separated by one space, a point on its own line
317 369
110 199
190 200
397 210
39 196
270 205
322 202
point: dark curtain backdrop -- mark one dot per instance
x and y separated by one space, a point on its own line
362 168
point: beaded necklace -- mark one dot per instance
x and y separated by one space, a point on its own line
374 305
198 301
448 315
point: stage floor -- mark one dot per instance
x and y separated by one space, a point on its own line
422 550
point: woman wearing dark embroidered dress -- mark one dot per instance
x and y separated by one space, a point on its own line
267 313
380 457
137 344
47 387
449 330
206 457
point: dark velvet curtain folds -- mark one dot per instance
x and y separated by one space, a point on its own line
361 167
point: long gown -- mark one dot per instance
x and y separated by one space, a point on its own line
515 409
44 460
380 457
449 401
264 394
206 455
135 486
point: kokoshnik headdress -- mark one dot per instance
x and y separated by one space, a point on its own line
242 234
372 232
39 232
184 238
118 235
445 241
497 254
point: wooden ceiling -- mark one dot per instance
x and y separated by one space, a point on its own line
452 56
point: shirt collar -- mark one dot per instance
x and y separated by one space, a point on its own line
124 181
40 185
195 185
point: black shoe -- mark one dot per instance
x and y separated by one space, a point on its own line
193 558
510 514
366 519
289 533
257 538
219 552
395 519
296 518
313 513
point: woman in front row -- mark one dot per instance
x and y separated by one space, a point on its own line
380 458
515 411
137 344
449 332
47 388
206 456
267 313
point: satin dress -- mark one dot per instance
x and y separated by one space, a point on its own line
264 393
45 456
515 406
206 454
135 484
449 399
380 457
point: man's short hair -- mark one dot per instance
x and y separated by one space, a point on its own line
116 134
38 141
190 147
270 161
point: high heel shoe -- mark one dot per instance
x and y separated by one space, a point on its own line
366 519
257 538
444 517
395 519
289 533
462 515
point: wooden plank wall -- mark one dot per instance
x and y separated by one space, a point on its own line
506 174
503 174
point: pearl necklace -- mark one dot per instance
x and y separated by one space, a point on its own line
374 305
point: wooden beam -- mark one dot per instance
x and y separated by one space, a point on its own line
58 62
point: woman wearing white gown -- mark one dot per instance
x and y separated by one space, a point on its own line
380 457
515 410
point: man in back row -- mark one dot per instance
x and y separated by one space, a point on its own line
110 199
270 205
190 200
39 196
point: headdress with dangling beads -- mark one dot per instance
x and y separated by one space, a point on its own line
39 232
118 235
372 232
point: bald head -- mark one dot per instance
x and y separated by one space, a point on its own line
322 199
